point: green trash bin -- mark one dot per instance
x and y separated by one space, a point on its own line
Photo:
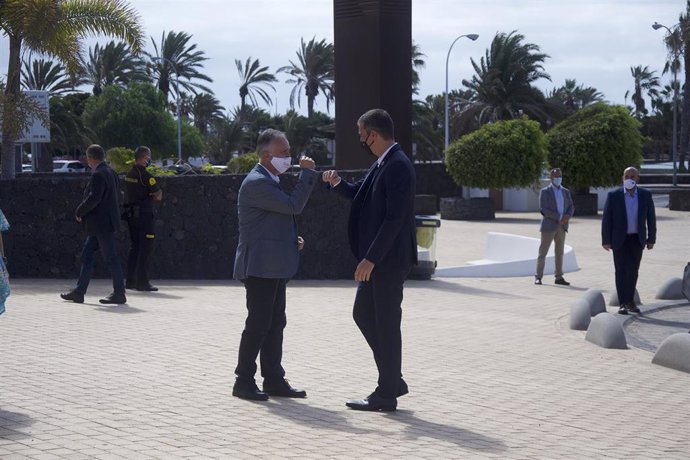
427 229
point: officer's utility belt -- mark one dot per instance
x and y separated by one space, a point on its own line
133 210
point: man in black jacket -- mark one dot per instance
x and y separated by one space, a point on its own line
99 211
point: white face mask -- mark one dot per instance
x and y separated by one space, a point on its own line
629 184
281 164
557 181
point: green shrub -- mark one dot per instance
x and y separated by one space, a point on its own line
120 159
243 163
157 171
498 155
208 168
594 145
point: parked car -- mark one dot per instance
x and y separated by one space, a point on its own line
65 166
27 168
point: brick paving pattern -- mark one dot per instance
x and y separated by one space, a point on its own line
492 368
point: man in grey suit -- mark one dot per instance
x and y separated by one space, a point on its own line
267 257
556 206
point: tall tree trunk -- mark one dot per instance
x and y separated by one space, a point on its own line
685 112
10 108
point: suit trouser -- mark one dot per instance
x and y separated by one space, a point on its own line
263 329
378 314
106 243
142 237
557 236
627 260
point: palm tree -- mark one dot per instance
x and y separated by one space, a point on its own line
112 64
418 63
54 28
45 75
253 78
314 72
574 97
502 86
206 111
176 58
645 81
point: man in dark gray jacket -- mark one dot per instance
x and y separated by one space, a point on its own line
267 257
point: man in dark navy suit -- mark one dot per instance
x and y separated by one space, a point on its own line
381 231
628 225
99 211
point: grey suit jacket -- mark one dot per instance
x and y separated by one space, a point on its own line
267 245
549 210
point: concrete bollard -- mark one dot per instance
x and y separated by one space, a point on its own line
580 315
674 352
671 290
613 300
606 331
596 301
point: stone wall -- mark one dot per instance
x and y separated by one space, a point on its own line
196 226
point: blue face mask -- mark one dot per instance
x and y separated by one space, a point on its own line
557 181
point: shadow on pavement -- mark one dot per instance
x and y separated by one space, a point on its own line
119 309
311 416
11 422
418 427
152 295
662 322
442 285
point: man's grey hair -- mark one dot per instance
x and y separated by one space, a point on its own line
266 137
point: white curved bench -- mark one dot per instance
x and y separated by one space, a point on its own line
510 255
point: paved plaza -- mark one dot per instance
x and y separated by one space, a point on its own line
493 370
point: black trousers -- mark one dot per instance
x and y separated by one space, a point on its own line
142 236
378 314
626 260
263 329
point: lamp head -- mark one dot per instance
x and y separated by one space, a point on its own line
656 26
472 37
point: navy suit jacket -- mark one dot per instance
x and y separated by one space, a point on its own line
614 224
381 227
100 208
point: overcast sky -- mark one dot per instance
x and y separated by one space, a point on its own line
594 42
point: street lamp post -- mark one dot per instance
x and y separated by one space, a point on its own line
177 106
472 37
674 69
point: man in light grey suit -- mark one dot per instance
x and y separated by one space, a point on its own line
556 206
267 257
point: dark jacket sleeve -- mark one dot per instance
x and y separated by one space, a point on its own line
347 189
96 190
651 220
606 222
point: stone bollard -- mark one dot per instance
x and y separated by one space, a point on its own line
613 300
671 290
606 331
580 315
596 301
674 352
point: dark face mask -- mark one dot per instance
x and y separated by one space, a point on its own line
148 162
366 146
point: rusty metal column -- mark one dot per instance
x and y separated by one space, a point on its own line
373 69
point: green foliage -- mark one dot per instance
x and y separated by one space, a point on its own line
131 117
243 163
192 143
120 159
498 155
157 171
593 146
209 169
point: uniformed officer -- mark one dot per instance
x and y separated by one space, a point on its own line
141 190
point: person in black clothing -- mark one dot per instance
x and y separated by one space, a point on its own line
99 212
141 190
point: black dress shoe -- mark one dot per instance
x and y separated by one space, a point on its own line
622 310
249 391
147 288
632 308
283 388
74 296
537 280
117 299
373 403
562 281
